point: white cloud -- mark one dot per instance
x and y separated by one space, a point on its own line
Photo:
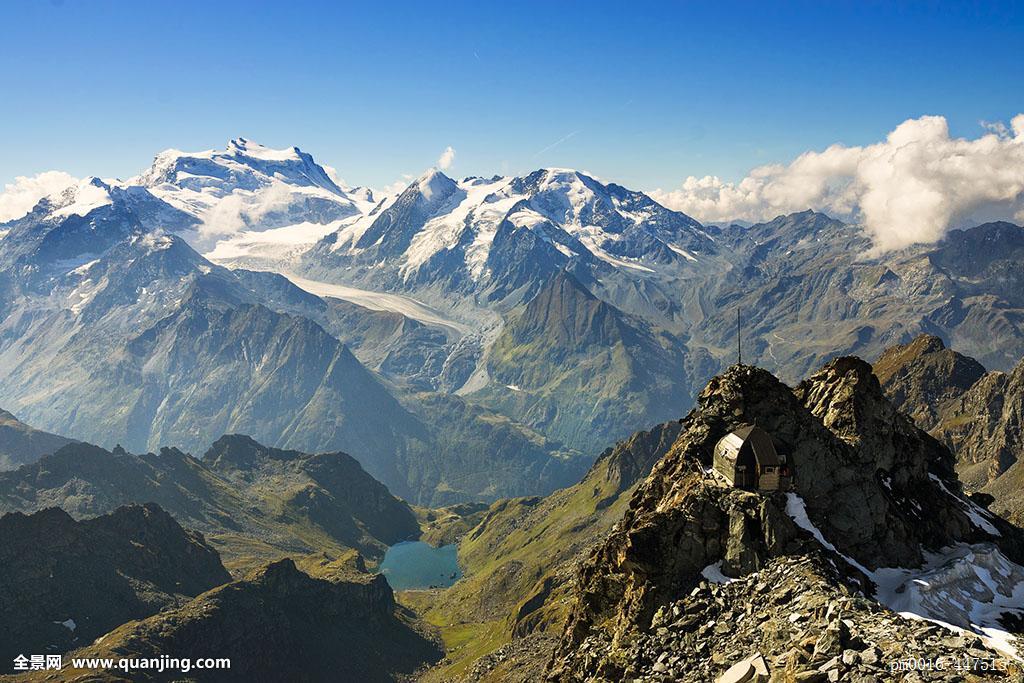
396 187
912 187
19 197
332 173
241 210
444 161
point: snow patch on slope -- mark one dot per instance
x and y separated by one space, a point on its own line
84 198
978 515
962 588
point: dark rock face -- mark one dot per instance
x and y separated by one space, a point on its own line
977 415
64 583
986 428
281 624
875 485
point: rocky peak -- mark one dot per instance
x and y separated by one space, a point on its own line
875 490
239 451
567 314
922 378
848 399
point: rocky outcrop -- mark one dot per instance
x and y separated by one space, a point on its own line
279 623
978 415
66 582
797 619
864 477
985 426
924 377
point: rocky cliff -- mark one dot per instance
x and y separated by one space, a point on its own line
66 582
873 496
923 378
277 624
978 415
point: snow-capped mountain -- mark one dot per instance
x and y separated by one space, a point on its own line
114 328
66 230
252 202
508 234
439 282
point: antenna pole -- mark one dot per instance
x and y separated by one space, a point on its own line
739 344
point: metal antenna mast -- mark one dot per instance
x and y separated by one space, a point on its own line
739 345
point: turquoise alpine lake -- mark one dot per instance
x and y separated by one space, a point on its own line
415 564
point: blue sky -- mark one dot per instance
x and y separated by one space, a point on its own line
642 93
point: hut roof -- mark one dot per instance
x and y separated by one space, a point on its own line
759 440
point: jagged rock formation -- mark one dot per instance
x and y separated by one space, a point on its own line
811 626
880 490
978 415
20 443
279 623
65 582
924 377
254 503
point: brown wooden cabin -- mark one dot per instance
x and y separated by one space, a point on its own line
747 459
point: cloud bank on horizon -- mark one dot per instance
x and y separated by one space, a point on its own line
913 187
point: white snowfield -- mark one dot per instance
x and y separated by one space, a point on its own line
81 199
274 246
713 573
962 588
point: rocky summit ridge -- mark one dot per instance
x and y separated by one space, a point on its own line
875 506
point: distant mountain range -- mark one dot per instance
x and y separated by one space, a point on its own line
463 339
254 503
